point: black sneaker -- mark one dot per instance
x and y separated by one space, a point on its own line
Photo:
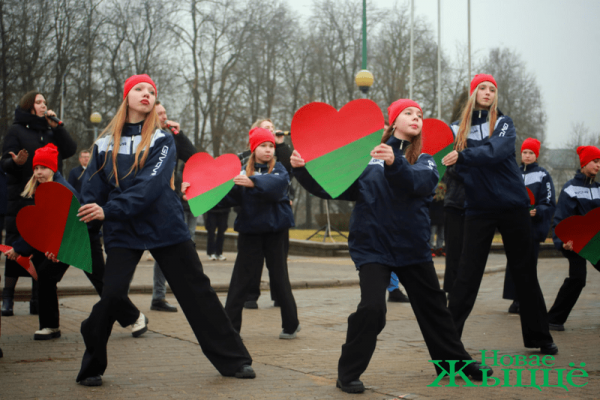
398 297
91 381
351 387
556 327
550 349
162 305
475 371
251 304
245 372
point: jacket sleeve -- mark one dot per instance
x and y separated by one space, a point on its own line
232 199
313 187
185 148
546 200
419 179
499 146
22 248
271 187
566 207
64 142
283 152
11 143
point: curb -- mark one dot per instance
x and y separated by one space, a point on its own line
65 291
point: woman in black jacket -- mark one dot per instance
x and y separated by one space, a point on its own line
31 130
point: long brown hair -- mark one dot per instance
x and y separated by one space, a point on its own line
464 129
113 132
28 100
413 151
252 161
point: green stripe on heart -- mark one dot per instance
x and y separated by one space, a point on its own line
206 201
77 248
338 169
591 251
437 157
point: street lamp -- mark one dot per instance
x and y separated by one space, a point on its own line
364 80
95 118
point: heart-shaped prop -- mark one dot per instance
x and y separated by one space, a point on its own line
52 226
438 141
584 231
24 262
210 179
337 145
531 198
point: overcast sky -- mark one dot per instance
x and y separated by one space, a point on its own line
559 41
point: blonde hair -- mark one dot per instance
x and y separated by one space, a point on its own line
113 132
252 161
32 184
465 124
413 151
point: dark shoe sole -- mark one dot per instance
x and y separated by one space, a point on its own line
250 305
91 381
349 389
141 331
54 335
8 313
556 327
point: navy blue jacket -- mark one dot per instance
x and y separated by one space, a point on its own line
20 245
579 196
76 178
143 212
265 208
492 179
539 181
390 222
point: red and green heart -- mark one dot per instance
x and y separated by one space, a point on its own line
584 231
210 179
24 262
438 141
336 146
531 198
52 225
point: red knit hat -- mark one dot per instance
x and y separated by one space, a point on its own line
134 80
46 156
398 106
260 135
481 78
587 154
533 145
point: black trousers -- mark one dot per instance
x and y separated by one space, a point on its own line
215 221
515 228
49 274
454 227
253 251
571 288
254 292
181 266
510 292
428 302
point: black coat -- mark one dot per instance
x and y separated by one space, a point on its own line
28 132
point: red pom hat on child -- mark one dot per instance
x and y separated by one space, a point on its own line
398 106
481 78
46 156
260 135
587 154
134 80
533 145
